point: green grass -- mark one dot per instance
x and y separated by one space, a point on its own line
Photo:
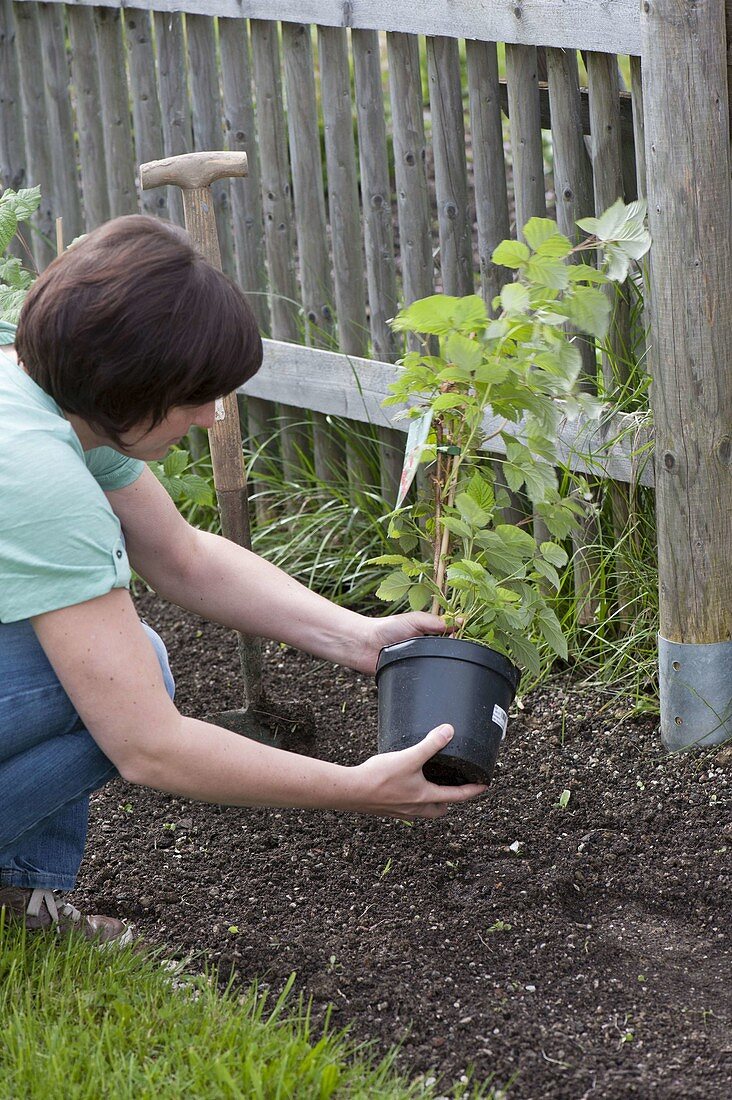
82 1022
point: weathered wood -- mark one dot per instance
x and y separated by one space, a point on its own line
85 73
451 174
59 125
578 24
489 162
12 145
346 386
312 241
208 126
685 74
415 236
378 232
344 215
278 220
307 183
175 108
119 150
246 209
526 147
574 198
146 115
607 172
246 194
33 106
343 207
636 76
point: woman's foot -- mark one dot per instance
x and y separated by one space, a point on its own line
40 910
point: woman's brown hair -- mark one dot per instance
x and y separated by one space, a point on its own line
131 322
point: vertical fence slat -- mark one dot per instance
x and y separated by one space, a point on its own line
345 218
246 210
246 195
33 106
575 199
85 74
451 176
312 240
525 122
119 150
175 108
415 238
12 146
145 103
59 130
378 231
636 86
489 162
208 128
307 184
277 206
607 170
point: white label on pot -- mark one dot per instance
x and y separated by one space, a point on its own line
501 719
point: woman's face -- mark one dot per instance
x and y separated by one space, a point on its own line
152 444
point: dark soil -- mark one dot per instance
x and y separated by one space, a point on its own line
581 951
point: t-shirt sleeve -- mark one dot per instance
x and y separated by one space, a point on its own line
111 469
60 541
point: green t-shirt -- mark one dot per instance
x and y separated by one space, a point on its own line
60 541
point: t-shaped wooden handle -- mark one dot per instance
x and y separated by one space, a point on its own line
192 170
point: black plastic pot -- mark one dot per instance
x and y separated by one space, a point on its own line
426 681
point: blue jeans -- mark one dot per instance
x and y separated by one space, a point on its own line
49 765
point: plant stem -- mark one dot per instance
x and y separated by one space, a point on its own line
444 542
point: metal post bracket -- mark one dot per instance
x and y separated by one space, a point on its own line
696 693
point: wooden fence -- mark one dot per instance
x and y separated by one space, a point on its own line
382 168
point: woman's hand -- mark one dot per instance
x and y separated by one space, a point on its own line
393 784
394 628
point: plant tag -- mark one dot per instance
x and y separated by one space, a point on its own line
501 719
417 435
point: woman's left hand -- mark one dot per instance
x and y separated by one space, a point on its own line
392 629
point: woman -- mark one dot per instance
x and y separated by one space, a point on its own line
124 343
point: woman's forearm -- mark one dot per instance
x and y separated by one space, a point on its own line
230 585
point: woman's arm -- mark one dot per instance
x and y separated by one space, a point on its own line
227 584
107 666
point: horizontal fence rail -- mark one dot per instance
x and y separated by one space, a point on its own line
612 26
617 446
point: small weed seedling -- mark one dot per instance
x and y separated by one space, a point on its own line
563 800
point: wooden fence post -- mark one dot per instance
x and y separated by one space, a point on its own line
687 123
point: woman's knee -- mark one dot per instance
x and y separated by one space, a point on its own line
162 655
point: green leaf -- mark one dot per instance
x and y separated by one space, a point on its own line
539 230
524 653
471 511
176 462
466 570
544 569
551 631
520 541
466 353
470 313
450 401
8 225
390 559
481 490
457 526
419 596
557 246
557 555
394 587
11 303
548 272
515 299
26 202
500 558
440 313
511 254
589 310
197 489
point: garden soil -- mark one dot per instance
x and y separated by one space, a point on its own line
562 951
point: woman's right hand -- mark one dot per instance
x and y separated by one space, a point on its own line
392 784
